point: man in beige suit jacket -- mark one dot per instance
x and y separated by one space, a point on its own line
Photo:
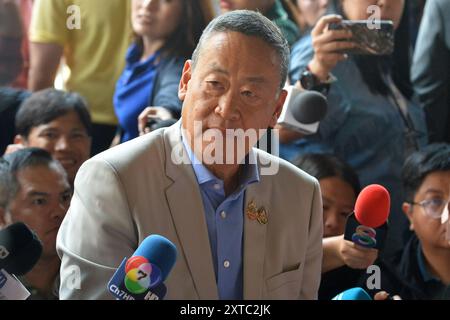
148 185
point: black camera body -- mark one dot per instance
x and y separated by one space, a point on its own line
157 123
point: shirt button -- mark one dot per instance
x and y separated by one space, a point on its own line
223 214
226 264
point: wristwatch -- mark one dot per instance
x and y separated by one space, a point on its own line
309 81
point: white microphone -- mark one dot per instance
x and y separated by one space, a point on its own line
11 288
303 110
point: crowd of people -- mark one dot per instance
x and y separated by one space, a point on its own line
92 168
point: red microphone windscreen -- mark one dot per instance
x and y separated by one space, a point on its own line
372 206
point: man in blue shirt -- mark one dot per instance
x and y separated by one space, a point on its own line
247 225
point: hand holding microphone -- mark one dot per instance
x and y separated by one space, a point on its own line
141 277
356 256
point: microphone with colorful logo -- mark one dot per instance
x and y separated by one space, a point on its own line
367 226
142 276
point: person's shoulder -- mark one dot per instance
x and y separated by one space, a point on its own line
303 46
282 170
172 61
134 151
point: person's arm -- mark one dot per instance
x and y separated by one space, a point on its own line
338 252
166 87
430 67
96 234
322 60
48 36
44 63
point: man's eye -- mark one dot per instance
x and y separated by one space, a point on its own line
39 202
435 203
49 135
248 94
78 135
214 84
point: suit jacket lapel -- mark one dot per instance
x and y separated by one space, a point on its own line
186 206
255 241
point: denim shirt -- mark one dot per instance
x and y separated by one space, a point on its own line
364 129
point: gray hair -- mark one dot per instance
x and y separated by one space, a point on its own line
249 23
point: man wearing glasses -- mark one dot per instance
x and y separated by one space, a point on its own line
421 271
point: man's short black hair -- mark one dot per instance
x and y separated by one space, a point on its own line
45 106
13 163
432 158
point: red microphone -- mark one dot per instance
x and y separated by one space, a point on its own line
367 225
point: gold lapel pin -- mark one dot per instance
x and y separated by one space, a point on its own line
255 213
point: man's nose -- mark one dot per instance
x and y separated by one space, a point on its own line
228 108
62 143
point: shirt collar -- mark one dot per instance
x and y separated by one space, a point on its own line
249 170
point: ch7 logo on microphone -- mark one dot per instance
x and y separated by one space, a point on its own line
137 279
141 275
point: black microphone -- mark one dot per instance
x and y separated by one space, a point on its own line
141 277
20 250
303 110
309 107
156 123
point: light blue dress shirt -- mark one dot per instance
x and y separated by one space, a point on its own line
225 222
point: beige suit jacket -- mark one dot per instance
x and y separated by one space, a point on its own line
135 189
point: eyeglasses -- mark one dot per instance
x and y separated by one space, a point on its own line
433 207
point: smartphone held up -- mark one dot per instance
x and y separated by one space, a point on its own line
370 39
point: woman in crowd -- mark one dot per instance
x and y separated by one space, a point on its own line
166 33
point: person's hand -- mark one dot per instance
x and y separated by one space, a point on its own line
355 256
383 295
152 112
327 44
13 148
287 135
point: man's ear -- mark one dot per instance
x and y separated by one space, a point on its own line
185 78
18 139
278 108
407 210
